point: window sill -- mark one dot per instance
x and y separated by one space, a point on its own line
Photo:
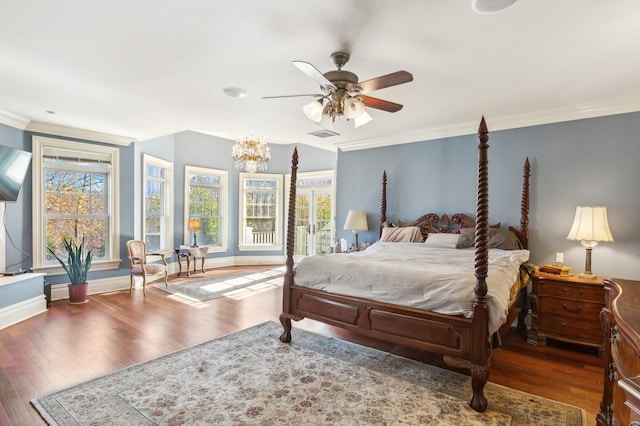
262 247
95 266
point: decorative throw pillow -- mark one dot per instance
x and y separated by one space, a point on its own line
498 238
503 239
467 238
442 240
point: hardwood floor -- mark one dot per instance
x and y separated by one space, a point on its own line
72 343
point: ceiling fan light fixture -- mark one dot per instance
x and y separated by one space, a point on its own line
353 108
313 110
362 119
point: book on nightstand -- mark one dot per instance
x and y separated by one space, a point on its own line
556 269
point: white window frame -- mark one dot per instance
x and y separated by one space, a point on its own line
166 239
222 219
39 144
277 245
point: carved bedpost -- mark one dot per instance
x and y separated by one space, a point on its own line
482 217
523 232
480 352
285 317
383 203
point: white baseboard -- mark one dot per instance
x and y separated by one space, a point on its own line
21 311
106 285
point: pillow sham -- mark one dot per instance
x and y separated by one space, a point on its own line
442 240
498 238
405 234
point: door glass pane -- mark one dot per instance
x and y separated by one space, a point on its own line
323 223
302 224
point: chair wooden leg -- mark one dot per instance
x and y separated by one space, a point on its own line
166 276
130 283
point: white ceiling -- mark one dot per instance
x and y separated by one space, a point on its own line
144 69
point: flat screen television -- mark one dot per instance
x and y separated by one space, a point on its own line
14 164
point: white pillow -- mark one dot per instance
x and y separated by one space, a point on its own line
442 240
409 234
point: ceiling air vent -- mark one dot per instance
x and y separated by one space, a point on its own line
324 133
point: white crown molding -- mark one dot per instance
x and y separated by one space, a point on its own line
13 120
71 132
494 124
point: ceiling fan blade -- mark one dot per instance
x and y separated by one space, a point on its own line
393 79
316 95
380 104
316 75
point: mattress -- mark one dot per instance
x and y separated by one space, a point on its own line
416 275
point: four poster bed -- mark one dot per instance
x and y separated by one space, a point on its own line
383 301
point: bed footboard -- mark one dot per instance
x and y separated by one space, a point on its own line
424 330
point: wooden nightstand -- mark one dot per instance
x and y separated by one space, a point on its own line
566 308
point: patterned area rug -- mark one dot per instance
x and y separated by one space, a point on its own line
250 377
234 285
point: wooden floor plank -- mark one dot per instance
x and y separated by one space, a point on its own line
72 343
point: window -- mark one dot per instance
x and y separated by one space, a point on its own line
260 212
75 193
206 203
157 203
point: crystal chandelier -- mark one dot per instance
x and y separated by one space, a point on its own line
251 154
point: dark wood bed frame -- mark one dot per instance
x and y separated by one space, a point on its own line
462 342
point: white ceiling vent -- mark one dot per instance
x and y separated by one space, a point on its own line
324 133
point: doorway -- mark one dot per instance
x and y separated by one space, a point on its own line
314 221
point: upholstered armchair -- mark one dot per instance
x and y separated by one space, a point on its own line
139 267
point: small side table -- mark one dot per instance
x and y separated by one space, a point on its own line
191 252
566 308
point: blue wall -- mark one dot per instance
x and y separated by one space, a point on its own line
201 150
185 148
584 162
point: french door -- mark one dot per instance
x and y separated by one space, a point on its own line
314 221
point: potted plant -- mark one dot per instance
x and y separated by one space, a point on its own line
76 267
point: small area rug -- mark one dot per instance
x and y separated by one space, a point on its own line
250 377
228 285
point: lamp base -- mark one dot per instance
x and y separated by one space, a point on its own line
587 276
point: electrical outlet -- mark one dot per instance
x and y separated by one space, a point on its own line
559 257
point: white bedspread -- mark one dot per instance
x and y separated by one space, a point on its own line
415 275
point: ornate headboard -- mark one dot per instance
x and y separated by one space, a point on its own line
434 223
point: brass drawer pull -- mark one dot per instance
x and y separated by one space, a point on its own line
578 309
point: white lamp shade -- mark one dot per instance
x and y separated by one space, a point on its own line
363 118
313 110
353 108
590 224
356 221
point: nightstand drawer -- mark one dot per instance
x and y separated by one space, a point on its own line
574 329
574 310
548 288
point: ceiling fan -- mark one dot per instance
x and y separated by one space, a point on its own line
342 93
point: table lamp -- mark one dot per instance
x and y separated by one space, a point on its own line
194 226
356 221
590 226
